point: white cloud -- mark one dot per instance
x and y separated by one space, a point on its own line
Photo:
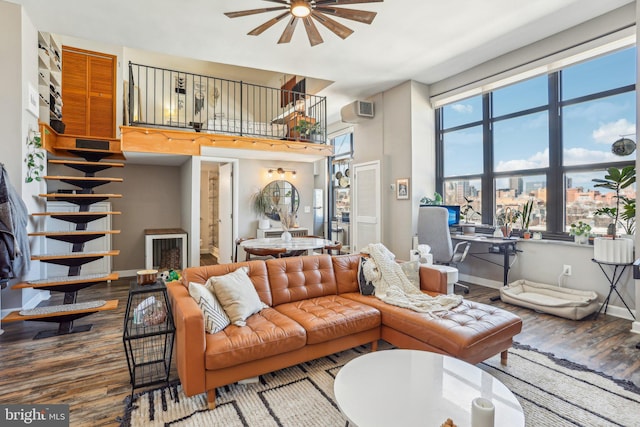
538 160
578 156
607 133
462 108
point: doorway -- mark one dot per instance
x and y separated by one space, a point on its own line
216 211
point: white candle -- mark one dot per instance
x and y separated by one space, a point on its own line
482 412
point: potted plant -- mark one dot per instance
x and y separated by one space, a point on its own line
261 205
526 218
468 214
610 249
437 200
307 129
506 219
580 232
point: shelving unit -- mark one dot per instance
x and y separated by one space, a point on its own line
49 78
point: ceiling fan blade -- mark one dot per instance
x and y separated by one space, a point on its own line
340 30
341 2
260 29
278 1
288 31
253 11
312 31
355 15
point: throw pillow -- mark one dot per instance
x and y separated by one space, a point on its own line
411 269
215 318
366 287
237 295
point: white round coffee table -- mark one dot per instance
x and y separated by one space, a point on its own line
418 388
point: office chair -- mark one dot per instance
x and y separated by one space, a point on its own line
433 230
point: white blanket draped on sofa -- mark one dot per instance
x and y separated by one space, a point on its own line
393 287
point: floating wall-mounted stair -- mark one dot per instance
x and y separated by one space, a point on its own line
83 197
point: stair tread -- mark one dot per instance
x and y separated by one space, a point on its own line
68 309
83 178
66 280
76 213
73 233
79 196
61 151
84 162
71 255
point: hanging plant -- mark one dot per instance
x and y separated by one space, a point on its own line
35 157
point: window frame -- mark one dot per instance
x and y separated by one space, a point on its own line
555 172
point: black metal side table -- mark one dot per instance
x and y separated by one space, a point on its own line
149 333
613 279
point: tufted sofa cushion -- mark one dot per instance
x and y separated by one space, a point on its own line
266 334
299 278
462 331
330 317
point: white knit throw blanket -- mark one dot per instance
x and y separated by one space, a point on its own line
393 287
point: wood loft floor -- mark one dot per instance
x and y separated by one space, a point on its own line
89 372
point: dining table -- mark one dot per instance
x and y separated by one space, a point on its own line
295 246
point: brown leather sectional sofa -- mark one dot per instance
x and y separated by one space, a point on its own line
316 309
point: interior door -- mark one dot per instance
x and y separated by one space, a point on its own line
366 206
225 212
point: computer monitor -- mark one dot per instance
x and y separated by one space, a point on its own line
454 212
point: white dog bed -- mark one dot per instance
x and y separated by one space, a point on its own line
568 303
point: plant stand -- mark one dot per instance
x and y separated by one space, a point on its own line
148 335
613 279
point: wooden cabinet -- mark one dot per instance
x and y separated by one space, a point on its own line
49 78
89 92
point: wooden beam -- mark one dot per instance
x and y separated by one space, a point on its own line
169 141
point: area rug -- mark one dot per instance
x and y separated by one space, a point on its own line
552 393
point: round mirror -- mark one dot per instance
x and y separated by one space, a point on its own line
282 195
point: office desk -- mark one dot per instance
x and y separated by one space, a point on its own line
506 246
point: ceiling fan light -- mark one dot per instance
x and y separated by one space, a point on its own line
300 9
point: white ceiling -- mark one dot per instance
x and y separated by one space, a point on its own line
423 40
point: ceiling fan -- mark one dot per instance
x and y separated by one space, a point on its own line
305 10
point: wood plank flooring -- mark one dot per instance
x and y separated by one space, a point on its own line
89 371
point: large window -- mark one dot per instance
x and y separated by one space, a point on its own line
543 139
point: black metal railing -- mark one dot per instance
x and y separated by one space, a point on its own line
160 97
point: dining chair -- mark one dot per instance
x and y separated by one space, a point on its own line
264 253
238 241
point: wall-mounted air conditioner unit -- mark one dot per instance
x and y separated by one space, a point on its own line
357 111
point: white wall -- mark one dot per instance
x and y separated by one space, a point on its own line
254 177
402 137
18 49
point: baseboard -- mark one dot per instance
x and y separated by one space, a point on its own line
494 284
635 327
612 310
127 273
32 303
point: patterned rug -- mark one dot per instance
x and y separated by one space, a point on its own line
552 393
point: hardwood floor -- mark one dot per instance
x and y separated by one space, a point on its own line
89 371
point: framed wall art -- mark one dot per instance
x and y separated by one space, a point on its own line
402 189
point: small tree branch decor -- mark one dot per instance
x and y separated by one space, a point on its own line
35 157
288 219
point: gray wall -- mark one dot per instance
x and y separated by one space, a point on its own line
150 199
